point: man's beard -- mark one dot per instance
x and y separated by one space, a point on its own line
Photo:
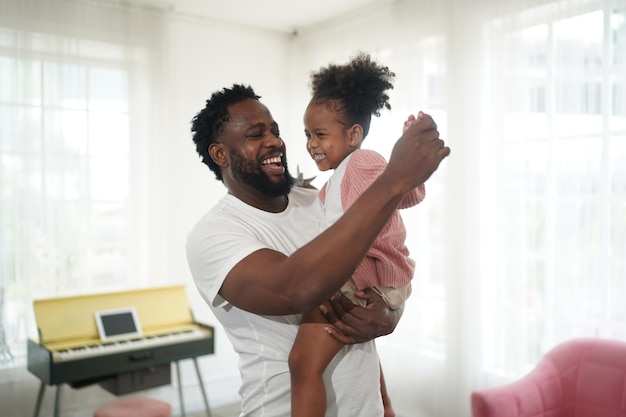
249 173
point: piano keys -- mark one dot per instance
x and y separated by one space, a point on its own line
99 349
69 350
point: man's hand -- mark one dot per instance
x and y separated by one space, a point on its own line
354 324
418 152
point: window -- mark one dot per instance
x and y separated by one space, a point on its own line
64 177
561 187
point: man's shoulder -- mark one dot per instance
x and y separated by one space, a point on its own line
226 211
303 195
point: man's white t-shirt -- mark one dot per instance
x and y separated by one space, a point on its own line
228 233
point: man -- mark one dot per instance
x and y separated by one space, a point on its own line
258 266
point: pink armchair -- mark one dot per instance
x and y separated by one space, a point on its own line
578 378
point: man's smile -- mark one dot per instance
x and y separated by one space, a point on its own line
273 165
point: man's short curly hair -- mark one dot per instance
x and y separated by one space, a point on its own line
209 123
357 90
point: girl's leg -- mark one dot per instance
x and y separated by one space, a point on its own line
310 354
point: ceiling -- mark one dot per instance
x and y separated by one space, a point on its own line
280 15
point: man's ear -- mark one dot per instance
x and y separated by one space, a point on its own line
356 134
219 154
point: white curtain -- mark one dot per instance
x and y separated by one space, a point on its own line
521 241
74 111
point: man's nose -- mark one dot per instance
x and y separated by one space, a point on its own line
276 140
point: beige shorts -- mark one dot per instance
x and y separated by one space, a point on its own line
393 297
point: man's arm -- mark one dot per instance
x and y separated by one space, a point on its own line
268 282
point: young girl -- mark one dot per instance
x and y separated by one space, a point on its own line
336 121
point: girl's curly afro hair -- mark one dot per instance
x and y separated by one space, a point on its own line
356 90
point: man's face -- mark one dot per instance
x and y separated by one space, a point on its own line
248 172
257 154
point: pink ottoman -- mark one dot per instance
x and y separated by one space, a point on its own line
135 407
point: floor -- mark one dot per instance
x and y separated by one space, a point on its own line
231 410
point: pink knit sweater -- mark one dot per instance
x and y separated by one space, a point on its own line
387 263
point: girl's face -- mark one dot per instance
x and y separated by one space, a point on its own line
327 139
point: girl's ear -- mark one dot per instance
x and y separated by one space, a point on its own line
219 154
355 133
